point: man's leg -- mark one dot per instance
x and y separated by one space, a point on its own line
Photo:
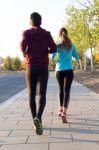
31 81
42 82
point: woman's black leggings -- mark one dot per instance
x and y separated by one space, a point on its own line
37 75
64 79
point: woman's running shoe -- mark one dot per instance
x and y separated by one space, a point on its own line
60 112
64 117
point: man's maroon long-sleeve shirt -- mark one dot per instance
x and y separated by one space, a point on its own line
35 45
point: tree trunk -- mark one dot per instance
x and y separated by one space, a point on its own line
92 66
80 64
85 62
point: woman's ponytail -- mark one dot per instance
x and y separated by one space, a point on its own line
66 40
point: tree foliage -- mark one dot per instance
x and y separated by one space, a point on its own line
13 64
8 63
83 26
16 64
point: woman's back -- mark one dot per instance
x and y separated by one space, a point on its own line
64 58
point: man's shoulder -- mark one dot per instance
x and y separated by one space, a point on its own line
44 30
26 32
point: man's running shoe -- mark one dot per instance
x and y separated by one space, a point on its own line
38 125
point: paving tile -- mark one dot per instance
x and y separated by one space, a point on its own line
28 132
13 140
4 133
25 147
49 139
90 138
73 146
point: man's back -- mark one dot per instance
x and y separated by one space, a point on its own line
35 44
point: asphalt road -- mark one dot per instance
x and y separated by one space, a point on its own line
11 85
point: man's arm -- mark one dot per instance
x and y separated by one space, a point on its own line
51 44
24 43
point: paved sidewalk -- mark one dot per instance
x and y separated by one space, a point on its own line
81 132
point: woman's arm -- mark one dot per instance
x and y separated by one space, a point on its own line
75 54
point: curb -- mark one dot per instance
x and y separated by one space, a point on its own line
12 99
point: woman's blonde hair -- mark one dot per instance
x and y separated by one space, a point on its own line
66 40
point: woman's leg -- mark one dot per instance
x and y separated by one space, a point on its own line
60 79
67 86
68 78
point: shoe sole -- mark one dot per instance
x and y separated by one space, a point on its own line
59 115
39 129
64 120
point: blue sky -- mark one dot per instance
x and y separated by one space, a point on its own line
14 15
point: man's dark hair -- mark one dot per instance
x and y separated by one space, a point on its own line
36 19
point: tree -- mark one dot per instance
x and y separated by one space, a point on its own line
91 18
12 63
8 63
23 66
16 63
77 30
83 26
